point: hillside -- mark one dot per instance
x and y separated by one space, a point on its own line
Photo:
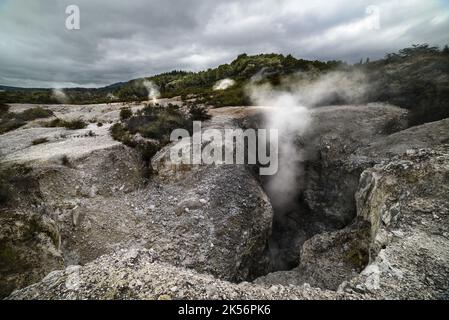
176 83
415 78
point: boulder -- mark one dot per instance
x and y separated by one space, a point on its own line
406 202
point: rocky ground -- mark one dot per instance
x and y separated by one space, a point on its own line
370 221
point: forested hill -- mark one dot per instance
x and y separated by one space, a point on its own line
178 82
416 78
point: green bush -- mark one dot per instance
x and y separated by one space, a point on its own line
34 113
75 124
69 124
234 96
10 121
119 133
10 124
198 113
4 109
125 113
55 123
156 123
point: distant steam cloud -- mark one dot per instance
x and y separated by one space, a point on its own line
332 87
59 95
111 96
223 84
152 89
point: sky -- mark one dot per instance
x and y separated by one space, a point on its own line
122 40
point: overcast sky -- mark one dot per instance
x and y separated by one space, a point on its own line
121 40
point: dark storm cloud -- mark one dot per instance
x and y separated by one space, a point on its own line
122 40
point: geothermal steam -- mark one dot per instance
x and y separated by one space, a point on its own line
111 96
291 118
223 84
59 95
290 114
152 89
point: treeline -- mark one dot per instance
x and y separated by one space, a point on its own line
181 83
46 96
415 78
241 70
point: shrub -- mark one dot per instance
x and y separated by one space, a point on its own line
11 121
153 122
119 133
158 122
198 113
70 124
10 124
234 96
55 123
99 124
34 113
75 124
125 113
4 109
39 141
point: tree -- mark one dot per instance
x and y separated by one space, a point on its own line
418 49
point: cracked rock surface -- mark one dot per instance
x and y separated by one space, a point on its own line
95 228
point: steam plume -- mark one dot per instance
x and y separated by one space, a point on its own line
291 118
152 89
111 96
290 114
330 88
59 95
223 84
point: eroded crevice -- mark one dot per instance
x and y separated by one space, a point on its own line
295 222
316 219
306 240
237 205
